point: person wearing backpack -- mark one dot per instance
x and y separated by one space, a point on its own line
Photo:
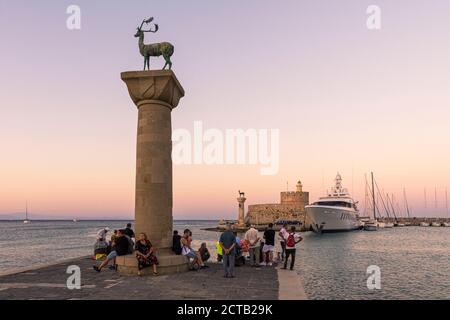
292 239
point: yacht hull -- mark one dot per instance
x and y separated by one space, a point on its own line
332 219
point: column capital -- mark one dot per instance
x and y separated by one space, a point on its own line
154 85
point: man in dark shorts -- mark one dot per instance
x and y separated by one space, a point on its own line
120 248
269 245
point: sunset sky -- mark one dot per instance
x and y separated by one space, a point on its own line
343 97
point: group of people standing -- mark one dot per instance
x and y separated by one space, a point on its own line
230 245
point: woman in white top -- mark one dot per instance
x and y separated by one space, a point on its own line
281 236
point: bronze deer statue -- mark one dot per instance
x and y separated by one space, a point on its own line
164 49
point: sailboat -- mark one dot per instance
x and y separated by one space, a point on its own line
446 224
389 224
435 224
381 224
371 225
397 223
400 224
435 200
423 223
407 207
26 214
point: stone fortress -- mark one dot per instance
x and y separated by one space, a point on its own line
291 208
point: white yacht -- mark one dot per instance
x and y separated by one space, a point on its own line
334 213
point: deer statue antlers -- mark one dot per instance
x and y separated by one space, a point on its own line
147 21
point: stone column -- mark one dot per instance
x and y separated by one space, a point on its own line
155 93
241 211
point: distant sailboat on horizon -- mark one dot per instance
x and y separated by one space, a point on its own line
26 214
446 224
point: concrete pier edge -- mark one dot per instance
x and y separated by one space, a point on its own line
43 265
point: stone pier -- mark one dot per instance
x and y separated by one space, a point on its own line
50 283
155 93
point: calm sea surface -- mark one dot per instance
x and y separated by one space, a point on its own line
414 261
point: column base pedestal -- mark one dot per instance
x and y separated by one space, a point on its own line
169 263
238 226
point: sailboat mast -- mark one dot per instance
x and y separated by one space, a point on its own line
446 201
373 198
393 206
425 197
366 195
387 210
390 201
435 198
26 210
406 202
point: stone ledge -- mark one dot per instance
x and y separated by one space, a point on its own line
168 264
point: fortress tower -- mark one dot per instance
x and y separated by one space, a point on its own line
291 207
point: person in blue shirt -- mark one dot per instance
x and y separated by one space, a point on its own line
228 244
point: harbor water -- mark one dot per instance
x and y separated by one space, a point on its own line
414 261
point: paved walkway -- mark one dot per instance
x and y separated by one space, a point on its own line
265 283
291 286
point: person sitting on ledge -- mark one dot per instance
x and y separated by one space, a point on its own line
129 232
100 249
120 248
187 250
101 234
176 243
219 252
113 237
145 254
204 252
